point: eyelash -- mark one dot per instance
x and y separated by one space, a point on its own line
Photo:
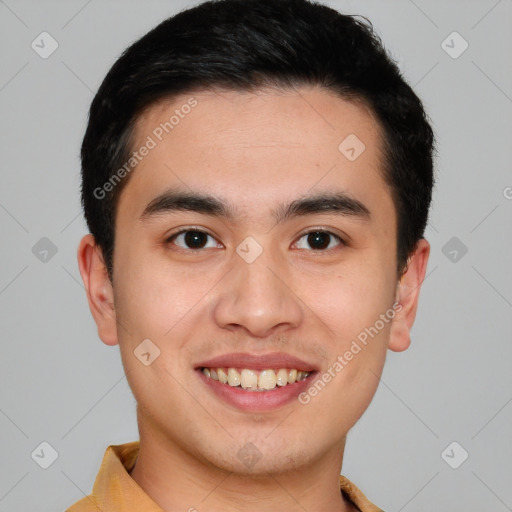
172 237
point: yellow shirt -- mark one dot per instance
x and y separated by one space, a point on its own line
116 491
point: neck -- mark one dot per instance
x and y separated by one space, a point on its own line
176 479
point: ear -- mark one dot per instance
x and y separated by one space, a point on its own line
407 295
100 293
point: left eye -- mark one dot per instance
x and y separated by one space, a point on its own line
319 240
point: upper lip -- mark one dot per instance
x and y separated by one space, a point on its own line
257 362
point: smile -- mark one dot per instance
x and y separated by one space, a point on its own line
256 380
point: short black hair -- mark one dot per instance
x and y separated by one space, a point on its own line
247 45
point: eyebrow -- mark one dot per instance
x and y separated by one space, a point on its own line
320 203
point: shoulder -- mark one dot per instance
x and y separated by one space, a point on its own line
86 504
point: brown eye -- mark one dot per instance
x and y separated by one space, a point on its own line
319 240
192 239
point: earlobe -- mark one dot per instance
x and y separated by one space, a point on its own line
407 295
100 293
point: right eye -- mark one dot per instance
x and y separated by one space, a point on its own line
192 240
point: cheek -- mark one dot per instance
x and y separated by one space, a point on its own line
350 310
348 304
152 297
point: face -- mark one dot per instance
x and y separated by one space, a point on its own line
255 232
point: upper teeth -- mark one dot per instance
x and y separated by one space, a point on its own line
254 380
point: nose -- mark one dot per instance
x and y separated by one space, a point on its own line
258 298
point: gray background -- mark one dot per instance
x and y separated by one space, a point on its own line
61 385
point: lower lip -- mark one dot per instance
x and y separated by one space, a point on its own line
256 401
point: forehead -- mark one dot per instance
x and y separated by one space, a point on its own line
256 147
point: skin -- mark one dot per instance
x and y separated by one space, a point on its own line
254 151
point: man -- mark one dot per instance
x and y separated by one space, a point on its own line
256 179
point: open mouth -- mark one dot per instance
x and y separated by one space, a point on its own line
256 380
